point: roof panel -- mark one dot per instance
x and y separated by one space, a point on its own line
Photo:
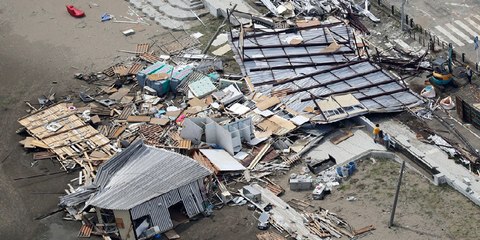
377 84
140 173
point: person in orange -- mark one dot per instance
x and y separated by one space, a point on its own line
376 133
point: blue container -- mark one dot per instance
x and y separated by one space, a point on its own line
141 78
351 167
162 87
339 171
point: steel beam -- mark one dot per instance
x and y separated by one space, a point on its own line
291 30
296 55
293 46
335 81
349 90
313 64
279 82
383 94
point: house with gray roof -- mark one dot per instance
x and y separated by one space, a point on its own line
145 187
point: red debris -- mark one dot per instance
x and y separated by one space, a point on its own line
75 12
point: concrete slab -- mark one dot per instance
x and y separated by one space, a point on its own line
186 4
348 149
454 174
218 7
172 12
160 18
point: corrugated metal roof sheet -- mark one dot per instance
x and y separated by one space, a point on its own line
140 173
305 71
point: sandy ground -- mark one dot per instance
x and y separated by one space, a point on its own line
41 48
424 211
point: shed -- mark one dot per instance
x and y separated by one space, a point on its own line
146 187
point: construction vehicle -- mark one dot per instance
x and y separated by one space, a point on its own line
442 70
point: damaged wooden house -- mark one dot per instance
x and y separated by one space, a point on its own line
146 190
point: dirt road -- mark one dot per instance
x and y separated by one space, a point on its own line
41 48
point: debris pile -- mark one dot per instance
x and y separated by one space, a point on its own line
176 115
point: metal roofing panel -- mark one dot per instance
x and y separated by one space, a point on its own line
357 81
222 160
141 173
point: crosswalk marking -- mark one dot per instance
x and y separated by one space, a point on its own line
467 28
477 17
472 23
459 33
447 34
441 38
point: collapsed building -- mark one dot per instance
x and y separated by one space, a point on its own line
317 71
160 146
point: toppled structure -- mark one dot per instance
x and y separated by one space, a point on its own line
142 184
61 131
316 72
296 80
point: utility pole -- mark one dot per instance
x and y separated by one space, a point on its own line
403 15
392 216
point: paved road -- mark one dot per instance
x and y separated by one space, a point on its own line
453 21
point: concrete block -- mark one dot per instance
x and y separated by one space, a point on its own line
301 183
252 193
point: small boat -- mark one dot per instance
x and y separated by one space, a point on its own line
75 12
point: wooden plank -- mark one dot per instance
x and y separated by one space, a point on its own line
171 234
149 58
120 94
184 144
121 70
138 119
135 68
267 103
142 48
85 231
43 155
30 142
159 121
363 230
119 131
342 137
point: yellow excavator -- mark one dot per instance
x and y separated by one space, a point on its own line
442 70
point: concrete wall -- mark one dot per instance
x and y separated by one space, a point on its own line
438 175
434 177
126 231
387 155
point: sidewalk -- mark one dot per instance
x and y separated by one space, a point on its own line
450 172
